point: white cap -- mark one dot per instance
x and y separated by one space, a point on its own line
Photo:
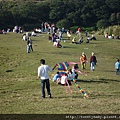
92 53
83 53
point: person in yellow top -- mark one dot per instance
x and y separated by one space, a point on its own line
83 60
74 40
112 36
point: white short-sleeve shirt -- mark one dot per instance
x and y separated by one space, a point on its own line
43 71
63 79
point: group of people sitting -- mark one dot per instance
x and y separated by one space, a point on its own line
28 34
81 39
3 31
118 37
111 36
37 30
18 29
77 42
57 44
56 39
90 38
65 78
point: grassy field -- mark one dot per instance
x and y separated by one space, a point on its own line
20 91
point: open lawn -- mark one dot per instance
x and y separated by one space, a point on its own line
20 90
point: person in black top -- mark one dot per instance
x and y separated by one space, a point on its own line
93 61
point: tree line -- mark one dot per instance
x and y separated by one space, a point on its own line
70 14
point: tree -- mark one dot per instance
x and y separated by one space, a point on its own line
63 23
6 19
118 17
102 23
113 19
83 13
57 11
114 5
87 16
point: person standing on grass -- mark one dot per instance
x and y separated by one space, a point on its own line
117 67
43 75
80 40
93 61
86 33
83 60
30 44
24 37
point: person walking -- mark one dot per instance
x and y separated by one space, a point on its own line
43 75
30 44
93 61
117 67
86 33
83 60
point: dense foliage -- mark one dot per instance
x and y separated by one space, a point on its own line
64 13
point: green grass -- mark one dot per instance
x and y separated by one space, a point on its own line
20 90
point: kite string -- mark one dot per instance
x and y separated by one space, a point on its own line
80 89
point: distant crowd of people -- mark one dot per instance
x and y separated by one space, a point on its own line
55 35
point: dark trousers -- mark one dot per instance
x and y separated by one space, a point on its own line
31 48
117 71
83 65
47 84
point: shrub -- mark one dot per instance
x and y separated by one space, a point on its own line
88 29
74 28
29 27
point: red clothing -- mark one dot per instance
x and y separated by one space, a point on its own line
83 58
79 29
93 59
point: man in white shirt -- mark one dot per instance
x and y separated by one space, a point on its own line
43 75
